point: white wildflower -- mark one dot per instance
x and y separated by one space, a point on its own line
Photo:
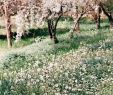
33 94
41 77
56 85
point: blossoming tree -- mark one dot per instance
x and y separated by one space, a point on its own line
107 7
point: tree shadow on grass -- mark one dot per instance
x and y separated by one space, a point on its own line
43 32
65 44
105 27
3 37
40 32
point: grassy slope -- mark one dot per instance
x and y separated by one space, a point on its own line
79 66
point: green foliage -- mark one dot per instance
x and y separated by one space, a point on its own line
108 5
82 65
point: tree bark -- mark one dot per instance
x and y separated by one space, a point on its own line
8 26
111 20
109 15
49 28
76 21
98 22
76 26
53 28
52 25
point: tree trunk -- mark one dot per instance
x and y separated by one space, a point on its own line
8 26
111 20
76 21
52 29
110 16
98 22
54 32
49 29
76 26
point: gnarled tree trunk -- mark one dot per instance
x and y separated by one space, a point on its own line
109 15
76 26
111 20
7 17
98 11
52 29
98 21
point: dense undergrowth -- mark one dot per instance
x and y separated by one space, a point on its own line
82 65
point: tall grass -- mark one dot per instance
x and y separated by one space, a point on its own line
82 65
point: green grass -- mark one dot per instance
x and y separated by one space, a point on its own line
82 65
87 26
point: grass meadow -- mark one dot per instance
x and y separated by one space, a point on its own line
82 65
